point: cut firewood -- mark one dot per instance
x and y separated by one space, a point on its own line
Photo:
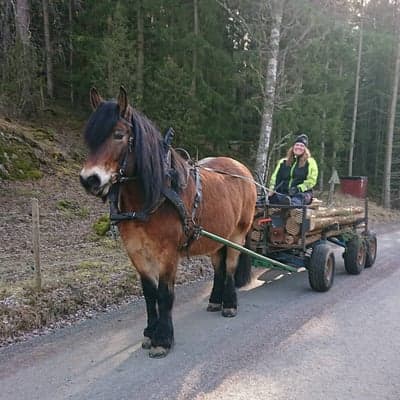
319 222
256 235
315 204
292 227
333 232
290 239
297 214
330 212
323 212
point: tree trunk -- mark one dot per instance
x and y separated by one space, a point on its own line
323 131
26 59
22 21
354 122
140 57
379 141
196 34
109 63
389 136
269 91
71 51
47 42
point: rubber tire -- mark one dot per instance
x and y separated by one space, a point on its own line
372 246
321 269
355 256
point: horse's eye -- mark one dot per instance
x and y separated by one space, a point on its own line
118 135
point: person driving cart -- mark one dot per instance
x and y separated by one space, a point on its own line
294 176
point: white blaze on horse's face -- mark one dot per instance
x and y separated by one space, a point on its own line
96 180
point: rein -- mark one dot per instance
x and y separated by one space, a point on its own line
219 171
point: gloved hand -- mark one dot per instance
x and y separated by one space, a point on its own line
293 190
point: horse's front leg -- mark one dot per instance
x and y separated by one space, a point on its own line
163 335
150 295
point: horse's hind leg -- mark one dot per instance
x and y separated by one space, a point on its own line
218 262
229 299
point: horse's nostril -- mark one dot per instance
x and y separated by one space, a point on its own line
92 182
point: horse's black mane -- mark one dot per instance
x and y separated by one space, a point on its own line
149 150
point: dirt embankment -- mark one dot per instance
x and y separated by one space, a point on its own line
81 271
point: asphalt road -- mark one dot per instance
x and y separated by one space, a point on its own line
287 342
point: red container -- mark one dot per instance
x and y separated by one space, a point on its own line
354 185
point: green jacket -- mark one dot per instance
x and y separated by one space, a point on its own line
286 176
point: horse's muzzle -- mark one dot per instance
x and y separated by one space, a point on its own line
91 183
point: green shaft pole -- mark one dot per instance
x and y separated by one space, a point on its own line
273 263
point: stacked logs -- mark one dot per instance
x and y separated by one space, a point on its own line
319 219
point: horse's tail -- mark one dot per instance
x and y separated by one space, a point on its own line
243 269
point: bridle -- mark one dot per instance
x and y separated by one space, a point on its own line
121 176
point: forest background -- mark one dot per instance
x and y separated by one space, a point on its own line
232 77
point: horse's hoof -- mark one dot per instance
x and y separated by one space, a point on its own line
146 344
229 312
212 307
158 352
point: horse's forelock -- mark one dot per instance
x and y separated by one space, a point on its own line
100 124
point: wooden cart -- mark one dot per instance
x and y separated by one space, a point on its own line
311 246
311 249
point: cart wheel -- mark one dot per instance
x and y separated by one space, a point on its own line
355 256
321 269
371 249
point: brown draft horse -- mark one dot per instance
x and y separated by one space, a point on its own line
117 132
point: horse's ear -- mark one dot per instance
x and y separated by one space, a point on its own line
122 101
95 98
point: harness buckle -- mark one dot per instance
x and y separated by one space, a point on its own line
130 143
114 231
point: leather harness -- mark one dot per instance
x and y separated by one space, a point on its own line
190 228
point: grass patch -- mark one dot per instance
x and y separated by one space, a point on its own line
89 265
18 160
42 134
72 208
102 225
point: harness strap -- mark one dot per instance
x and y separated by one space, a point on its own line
196 228
116 215
191 229
177 202
199 193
